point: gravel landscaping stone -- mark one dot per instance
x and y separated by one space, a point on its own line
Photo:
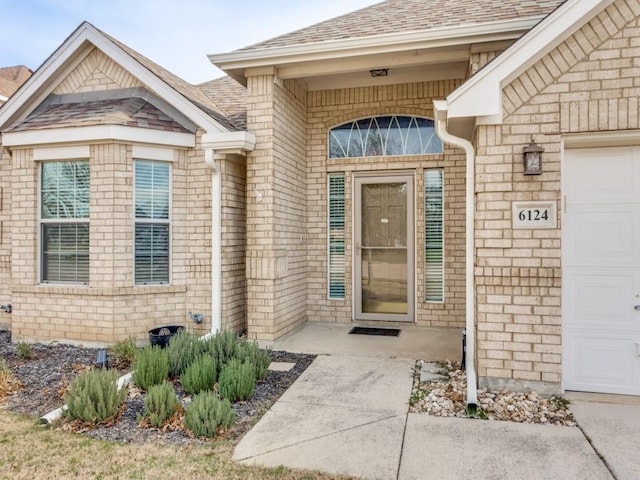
445 398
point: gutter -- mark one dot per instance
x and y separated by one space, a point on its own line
441 107
216 240
220 144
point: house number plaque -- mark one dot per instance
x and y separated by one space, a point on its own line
535 214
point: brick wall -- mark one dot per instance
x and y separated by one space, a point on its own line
5 238
276 207
333 107
587 84
234 241
96 72
110 307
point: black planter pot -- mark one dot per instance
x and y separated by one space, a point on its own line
160 336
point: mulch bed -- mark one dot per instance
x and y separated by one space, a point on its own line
48 373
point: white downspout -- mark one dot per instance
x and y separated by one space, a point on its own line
216 241
441 129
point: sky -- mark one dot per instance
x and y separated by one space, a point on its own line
176 34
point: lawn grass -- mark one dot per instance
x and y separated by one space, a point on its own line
29 451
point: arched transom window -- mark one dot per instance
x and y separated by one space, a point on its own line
384 136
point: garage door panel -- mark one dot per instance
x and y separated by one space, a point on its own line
601 237
601 270
601 364
601 301
604 175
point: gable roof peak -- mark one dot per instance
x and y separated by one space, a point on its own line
183 96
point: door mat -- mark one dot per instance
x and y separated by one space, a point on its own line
385 332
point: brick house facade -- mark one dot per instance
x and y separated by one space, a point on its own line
270 229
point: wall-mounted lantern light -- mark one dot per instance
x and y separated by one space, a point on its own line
532 157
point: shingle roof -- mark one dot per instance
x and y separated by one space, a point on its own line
230 96
130 112
396 16
189 91
11 78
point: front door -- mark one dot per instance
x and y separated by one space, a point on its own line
601 270
383 248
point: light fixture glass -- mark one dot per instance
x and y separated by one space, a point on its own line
532 158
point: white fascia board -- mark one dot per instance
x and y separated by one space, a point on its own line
237 141
98 133
481 95
374 44
74 46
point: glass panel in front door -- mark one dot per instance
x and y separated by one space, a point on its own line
384 248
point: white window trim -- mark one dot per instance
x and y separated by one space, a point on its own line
168 221
42 221
444 237
328 257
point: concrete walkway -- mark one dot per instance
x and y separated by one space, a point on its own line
348 415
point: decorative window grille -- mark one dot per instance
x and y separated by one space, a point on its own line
64 222
152 223
336 237
384 136
434 236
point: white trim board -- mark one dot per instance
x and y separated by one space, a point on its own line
97 133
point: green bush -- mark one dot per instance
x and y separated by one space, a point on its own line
250 352
94 397
223 346
207 413
183 349
151 367
200 375
23 350
237 380
160 403
123 353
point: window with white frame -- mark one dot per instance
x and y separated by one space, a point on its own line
64 222
385 135
434 235
152 222
336 236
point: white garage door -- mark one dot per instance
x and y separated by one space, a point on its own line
601 270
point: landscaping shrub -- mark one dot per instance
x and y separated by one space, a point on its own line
250 352
207 413
183 349
200 375
93 396
223 346
123 353
23 350
151 367
237 380
160 403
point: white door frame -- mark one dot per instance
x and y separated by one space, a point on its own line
360 179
